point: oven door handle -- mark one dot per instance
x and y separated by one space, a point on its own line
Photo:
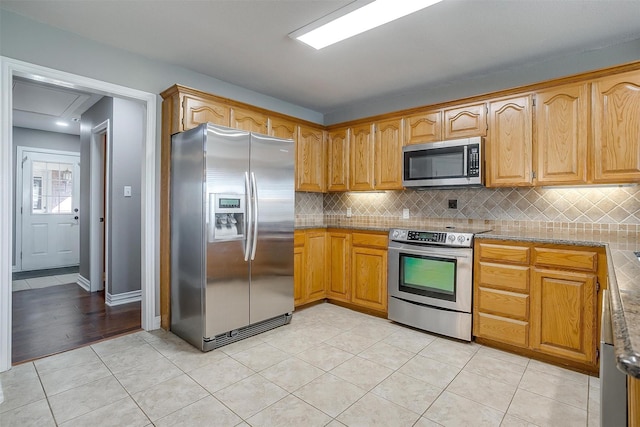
429 251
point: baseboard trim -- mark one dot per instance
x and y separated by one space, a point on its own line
84 283
123 298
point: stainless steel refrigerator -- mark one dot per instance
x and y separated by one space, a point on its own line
232 218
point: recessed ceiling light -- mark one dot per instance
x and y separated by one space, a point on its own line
64 124
346 22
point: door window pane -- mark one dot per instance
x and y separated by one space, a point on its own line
52 184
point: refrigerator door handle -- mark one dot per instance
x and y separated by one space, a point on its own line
248 222
254 196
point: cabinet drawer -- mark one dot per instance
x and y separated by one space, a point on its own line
563 258
503 303
504 253
502 329
510 277
298 238
377 240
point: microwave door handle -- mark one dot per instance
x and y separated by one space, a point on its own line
465 167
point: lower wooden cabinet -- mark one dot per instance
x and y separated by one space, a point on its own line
309 271
369 278
564 314
339 266
540 297
342 265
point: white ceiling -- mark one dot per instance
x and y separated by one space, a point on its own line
37 105
245 42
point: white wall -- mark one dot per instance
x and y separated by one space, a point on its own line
38 139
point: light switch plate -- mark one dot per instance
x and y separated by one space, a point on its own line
348 212
127 191
405 213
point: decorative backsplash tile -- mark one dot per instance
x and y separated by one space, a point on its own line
598 209
601 205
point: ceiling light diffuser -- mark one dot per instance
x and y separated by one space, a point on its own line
346 22
62 124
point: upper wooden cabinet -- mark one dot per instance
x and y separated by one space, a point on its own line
616 128
197 111
249 120
310 155
338 160
423 127
361 158
562 128
509 144
465 121
282 128
388 155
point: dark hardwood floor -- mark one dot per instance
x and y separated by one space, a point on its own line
59 318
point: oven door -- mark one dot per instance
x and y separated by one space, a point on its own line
435 276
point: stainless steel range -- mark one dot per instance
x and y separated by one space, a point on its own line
430 280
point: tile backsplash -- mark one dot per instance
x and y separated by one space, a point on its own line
603 207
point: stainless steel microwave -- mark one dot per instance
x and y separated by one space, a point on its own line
458 162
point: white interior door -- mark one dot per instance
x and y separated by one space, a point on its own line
50 201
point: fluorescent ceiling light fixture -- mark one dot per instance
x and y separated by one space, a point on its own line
62 124
339 26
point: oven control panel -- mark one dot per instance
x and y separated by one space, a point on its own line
441 238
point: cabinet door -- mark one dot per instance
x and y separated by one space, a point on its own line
298 276
248 120
388 155
369 278
281 128
338 160
361 161
310 151
197 111
562 126
509 143
563 314
423 127
465 121
339 267
616 128
315 269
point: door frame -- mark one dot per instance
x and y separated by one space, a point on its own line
20 153
10 68
97 246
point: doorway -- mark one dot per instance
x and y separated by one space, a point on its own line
47 200
12 68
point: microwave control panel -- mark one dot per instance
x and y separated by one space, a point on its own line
473 162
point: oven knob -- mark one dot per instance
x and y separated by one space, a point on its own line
396 234
451 238
461 238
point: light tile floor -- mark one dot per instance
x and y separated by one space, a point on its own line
330 366
44 282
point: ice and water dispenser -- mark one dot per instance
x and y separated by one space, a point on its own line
226 217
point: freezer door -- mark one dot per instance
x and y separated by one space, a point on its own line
272 177
226 200
187 230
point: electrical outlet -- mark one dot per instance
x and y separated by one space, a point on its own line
453 204
405 213
348 212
